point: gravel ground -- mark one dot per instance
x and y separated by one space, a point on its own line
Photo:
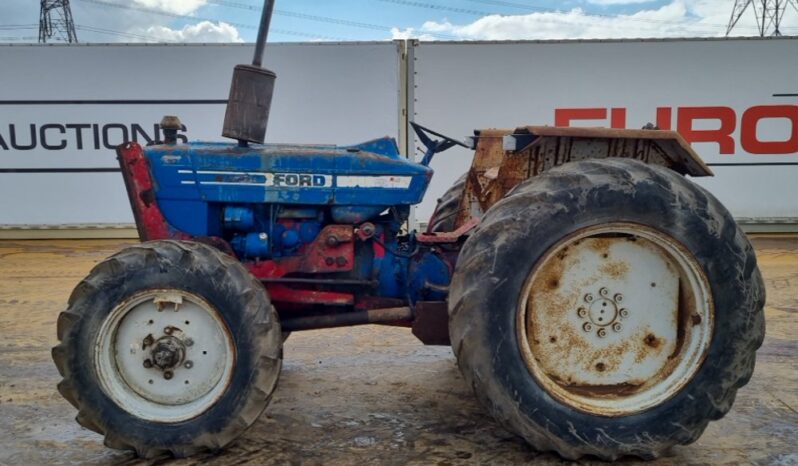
357 395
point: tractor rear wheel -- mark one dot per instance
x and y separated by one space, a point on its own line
169 347
445 214
607 308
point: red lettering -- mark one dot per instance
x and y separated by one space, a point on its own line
687 117
618 118
564 116
722 135
748 136
664 118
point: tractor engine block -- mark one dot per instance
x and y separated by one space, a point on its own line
266 231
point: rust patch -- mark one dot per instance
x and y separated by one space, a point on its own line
600 245
615 269
651 345
605 391
686 308
652 341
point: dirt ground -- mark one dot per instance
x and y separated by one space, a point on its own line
365 395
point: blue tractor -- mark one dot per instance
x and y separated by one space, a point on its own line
597 301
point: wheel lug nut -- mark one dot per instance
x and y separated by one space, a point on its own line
618 298
603 292
587 327
147 363
581 312
601 333
624 312
167 375
589 298
167 330
188 342
188 364
617 326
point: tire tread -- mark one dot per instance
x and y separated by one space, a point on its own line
564 189
190 256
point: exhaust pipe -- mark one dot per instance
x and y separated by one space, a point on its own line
251 92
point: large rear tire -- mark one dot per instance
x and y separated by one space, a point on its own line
445 214
607 308
169 347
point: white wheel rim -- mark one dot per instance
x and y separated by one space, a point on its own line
164 355
615 319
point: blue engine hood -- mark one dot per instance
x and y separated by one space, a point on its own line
371 176
372 173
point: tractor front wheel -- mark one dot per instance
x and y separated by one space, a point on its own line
607 308
169 347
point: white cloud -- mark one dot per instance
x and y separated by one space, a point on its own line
180 7
432 26
679 18
410 33
204 31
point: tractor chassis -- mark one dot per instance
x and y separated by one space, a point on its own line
332 251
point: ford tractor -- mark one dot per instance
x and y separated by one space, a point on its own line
597 301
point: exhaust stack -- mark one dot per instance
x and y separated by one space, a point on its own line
251 91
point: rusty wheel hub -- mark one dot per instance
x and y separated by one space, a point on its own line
168 352
615 319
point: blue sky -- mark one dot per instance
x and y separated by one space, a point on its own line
387 14
307 20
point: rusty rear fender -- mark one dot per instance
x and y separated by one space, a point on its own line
506 157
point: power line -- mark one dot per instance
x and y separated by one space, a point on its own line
513 5
15 38
371 26
12 27
432 6
18 26
321 19
596 15
481 13
120 33
213 20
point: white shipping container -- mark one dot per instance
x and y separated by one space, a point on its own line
739 91
63 108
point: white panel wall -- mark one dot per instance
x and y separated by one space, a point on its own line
347 93
463 86
326 93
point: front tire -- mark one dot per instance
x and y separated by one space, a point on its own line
169 347
607 308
